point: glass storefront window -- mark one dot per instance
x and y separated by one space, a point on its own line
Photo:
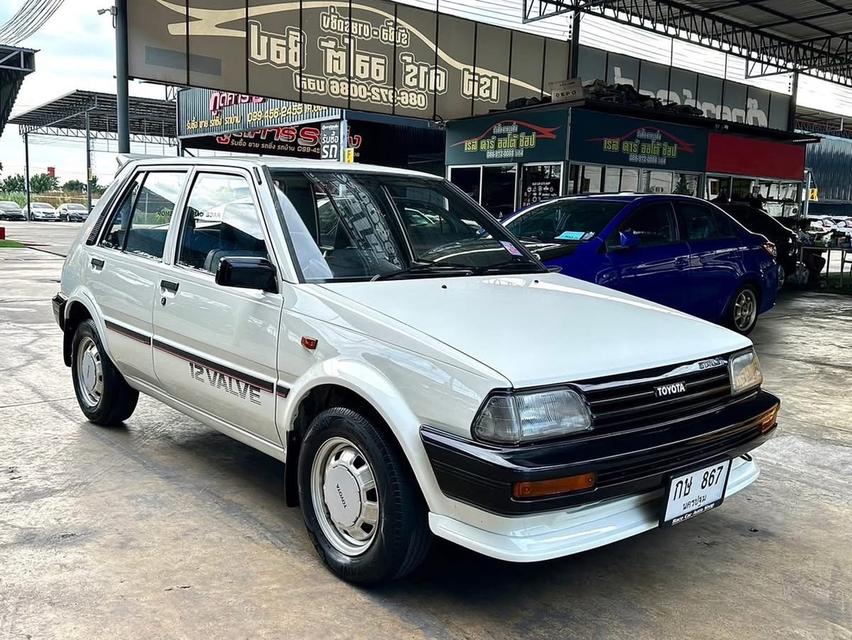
740 189
591 180
656 182
612 179
466 179
685 184
718 188
498 189
540 182
629 180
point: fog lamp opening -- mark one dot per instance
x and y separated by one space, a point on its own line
543 488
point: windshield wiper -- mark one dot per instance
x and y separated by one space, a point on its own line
430 268
509 265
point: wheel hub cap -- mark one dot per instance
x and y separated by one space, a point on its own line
345 496
90 372
342 496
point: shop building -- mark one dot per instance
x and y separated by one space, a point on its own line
515 158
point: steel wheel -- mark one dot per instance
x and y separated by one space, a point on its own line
345 496
90 372
745 309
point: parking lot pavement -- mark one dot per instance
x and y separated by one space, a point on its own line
164 528
53 237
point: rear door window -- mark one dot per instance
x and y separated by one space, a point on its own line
700 222
221 220
653 224
152 213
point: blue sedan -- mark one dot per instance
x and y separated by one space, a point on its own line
679 251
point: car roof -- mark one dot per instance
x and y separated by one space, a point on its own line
292 164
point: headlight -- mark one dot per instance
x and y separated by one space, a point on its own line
745 372
531 416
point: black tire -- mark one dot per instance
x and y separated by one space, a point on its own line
117 399
401 538
733 318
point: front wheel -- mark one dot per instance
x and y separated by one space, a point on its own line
361 504
102 392
742 315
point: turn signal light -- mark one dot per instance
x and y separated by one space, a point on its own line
768 419
557 486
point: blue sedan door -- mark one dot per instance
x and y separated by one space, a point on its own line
656 267
716 259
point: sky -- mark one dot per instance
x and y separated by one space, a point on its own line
76 50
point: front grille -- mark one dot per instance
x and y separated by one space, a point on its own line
631 401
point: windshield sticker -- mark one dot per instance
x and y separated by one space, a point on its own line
508 246
573 235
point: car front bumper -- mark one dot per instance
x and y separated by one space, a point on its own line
631 470
554 535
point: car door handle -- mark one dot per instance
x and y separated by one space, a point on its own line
682 263
168 285
97 264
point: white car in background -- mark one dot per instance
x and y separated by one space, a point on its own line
42 212
417 377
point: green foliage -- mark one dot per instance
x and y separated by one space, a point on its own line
18 197
10 184
74 186
43 182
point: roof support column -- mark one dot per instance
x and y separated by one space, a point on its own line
791 114
88 165
121 76
574 63
27 170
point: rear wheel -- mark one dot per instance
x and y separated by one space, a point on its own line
362 508
742 316
782 276
102 392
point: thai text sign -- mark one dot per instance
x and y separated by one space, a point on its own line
371 55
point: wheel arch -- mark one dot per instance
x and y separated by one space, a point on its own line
362 389
79 308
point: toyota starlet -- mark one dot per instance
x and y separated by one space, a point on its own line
417 370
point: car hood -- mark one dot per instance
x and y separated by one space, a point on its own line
544 328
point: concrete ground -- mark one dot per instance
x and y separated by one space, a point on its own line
164 528
52 237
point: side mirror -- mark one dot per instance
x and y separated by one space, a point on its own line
627 240
247 272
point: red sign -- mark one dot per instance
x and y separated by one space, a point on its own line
51 171
754 157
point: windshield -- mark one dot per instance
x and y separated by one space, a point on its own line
76 207
361 226
563 221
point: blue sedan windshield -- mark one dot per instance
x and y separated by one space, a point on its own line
565 220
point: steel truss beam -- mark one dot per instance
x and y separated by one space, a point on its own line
62 132
828 57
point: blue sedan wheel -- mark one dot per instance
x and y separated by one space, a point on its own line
743 315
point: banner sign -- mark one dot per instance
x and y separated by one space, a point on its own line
317 141
603 138
370 55
203 112
525 136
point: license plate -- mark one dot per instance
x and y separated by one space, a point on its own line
695 492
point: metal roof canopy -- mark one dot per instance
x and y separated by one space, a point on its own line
813 37
151 120
15 64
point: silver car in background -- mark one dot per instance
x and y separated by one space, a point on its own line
72 212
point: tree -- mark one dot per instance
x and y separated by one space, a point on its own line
41 182
74 186
94 186
11 184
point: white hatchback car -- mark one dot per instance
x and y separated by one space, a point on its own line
418 371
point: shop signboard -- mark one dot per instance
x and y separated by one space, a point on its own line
608 139
369 55
525 136
204 112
